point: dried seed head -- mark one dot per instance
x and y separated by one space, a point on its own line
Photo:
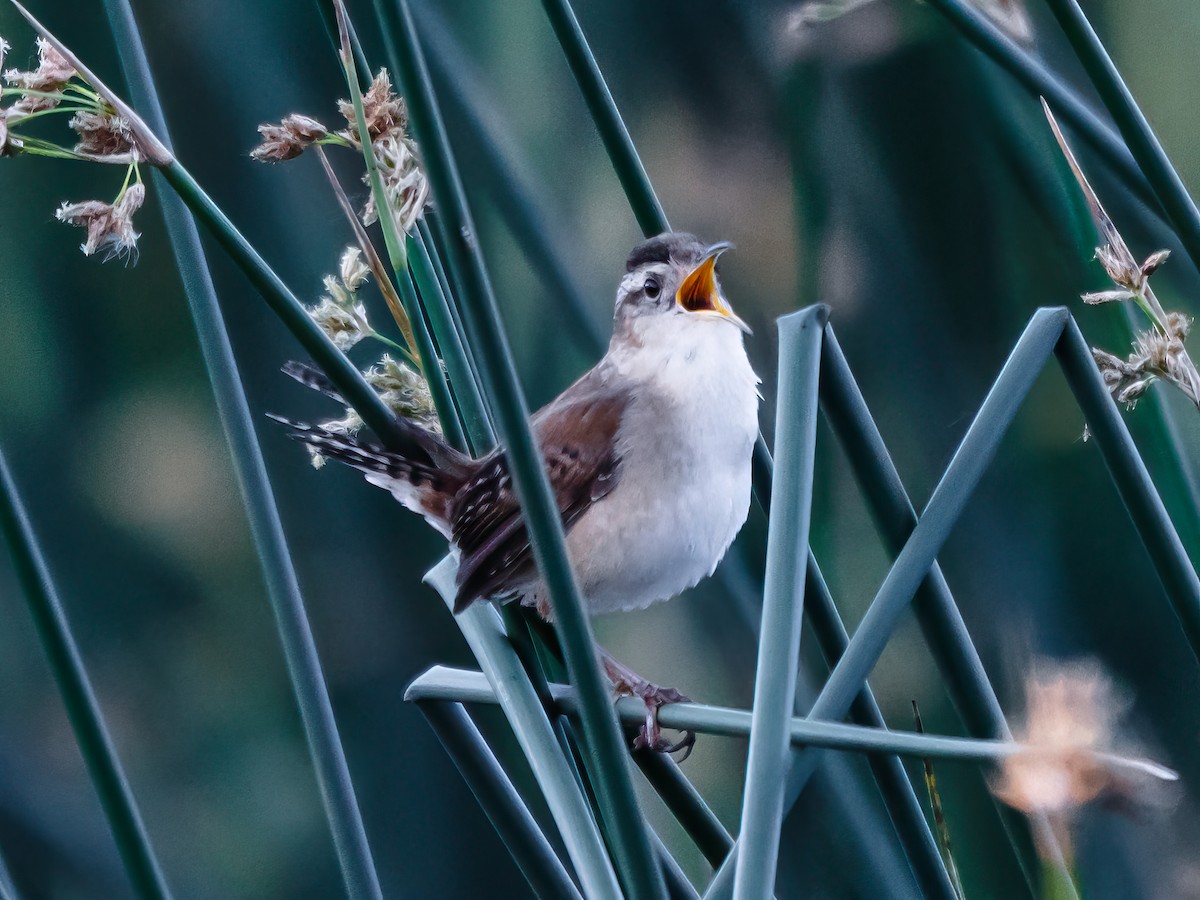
1131 391
1099 297
404 391
352 270
1156 355
345 325
1110 363
1120 267
384 111
287 140
1068 734
1164 356
1153 261
1068 714
1179 325
52 74
109 225
403 181
1158 352
104 135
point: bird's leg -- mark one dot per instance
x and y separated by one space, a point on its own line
627 682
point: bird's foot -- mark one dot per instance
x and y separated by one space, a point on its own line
650 735
627 683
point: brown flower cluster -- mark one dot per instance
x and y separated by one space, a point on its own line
109 225
288 139
44 84
50 77
1158 352
387 129
102 135
384 111
1156 355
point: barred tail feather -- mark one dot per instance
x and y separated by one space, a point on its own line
437 451
312 377
420 487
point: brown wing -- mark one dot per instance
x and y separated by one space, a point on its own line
577 434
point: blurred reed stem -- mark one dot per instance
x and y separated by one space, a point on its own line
431 365
427 239
283 590
940 620
1039 81
1139 137
680 796
607 764
95 745
8 890
632 174
1128 471
502 172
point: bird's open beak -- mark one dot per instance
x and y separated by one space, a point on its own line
699 292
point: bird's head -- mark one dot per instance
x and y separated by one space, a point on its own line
673 274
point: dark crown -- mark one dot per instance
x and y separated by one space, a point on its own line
662 248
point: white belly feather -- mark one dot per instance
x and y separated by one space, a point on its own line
683 492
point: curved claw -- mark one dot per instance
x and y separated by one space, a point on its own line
650 735
628 683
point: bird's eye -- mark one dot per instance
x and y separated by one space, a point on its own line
652 287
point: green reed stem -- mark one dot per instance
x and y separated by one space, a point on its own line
87 721
783 601
348 379
495 154
527 714
1039 81
1168 187
499 800
459 368
283 590
628 165
606 758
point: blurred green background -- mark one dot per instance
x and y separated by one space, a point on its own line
875 163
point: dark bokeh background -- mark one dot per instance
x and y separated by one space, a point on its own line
876 163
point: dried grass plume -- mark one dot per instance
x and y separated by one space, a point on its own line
1067 757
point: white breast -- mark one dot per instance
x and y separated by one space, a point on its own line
683 493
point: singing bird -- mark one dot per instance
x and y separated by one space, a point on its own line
648 456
